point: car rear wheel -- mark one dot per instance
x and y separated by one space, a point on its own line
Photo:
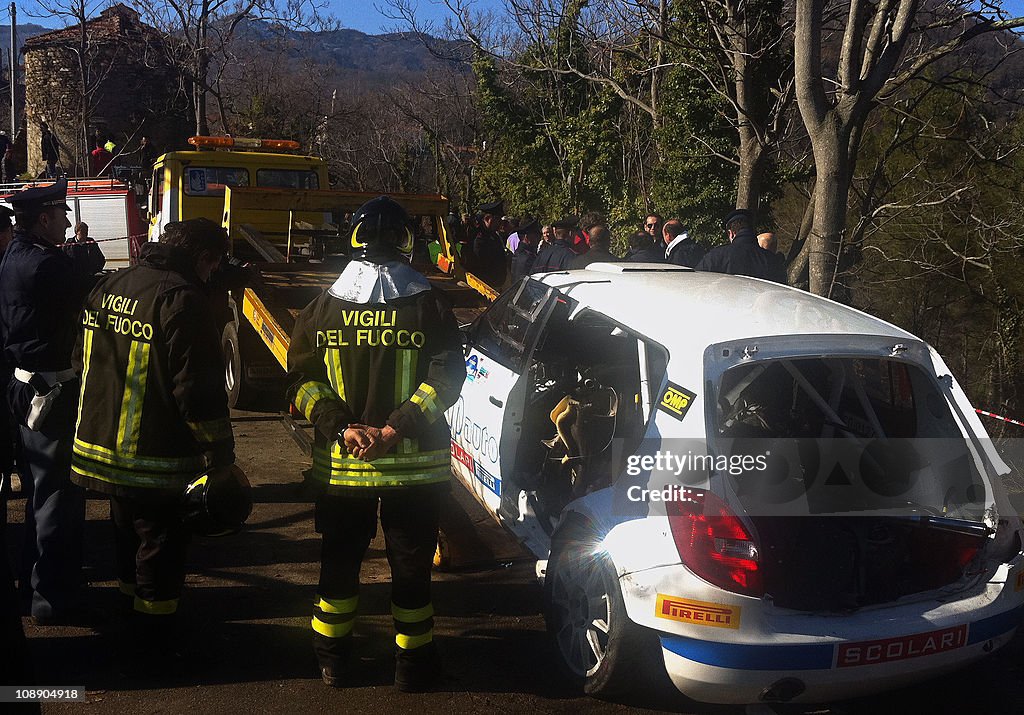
595 643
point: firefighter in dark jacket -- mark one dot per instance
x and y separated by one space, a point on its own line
377 360
557 255
153 413
41 293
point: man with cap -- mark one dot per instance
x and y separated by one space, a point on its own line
557 255
41 294
486 257
526 250
742 256
377 359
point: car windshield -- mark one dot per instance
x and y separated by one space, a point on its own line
838 435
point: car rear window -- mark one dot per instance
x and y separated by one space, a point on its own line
846 434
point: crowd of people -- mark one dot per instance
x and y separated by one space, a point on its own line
497 247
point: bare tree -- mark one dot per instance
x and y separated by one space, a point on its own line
200 34
882 46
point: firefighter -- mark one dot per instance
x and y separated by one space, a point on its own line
377 359
41 292
154 415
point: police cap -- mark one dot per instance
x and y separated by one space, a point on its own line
35 199
568 222
494 208
738 213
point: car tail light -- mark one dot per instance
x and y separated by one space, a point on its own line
713 542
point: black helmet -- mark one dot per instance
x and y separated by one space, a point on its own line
380 231
218 502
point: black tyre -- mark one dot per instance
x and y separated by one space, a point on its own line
595 643
241 393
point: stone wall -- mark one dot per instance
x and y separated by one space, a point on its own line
137 93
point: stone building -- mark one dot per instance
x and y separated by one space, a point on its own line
133 90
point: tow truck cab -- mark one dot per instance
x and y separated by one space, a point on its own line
191 184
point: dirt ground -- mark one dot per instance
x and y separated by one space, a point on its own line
246 611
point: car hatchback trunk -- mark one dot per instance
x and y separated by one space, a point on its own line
869 492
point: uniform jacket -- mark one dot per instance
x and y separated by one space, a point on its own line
41 294
553 256
398 363
743 257
523 260
154 412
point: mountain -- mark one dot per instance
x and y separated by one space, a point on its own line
24 32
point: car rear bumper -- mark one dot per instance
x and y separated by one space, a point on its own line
733 673
719 647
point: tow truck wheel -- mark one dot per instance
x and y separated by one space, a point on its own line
240 393
595 643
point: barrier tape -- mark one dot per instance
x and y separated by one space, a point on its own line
999 417
99 240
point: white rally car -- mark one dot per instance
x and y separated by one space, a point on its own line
765 495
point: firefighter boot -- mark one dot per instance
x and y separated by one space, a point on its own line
417 670
334 661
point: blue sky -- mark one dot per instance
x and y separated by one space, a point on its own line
362 15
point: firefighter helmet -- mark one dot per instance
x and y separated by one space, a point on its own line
380 231
218 502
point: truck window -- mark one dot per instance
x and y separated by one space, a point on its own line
211 180
287 179
156 191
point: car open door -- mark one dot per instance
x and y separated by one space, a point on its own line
486 419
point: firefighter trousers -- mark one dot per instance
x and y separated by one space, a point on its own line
409 520
151 542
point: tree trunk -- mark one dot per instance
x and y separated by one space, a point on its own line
831 194
752 165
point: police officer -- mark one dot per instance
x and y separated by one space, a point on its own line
154 413
41 292
377 360
557 255
742 256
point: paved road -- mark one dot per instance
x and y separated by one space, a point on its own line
247 607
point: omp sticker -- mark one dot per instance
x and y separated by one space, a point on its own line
488 480
462 456
882 651
471 368
676 400
700 613
1019 584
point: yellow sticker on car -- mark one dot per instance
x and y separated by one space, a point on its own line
699 613
676 400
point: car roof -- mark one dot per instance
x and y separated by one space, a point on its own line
679 306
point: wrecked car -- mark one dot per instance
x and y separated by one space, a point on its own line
735 488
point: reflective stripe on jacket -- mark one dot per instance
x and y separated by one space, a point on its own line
153 412
398 363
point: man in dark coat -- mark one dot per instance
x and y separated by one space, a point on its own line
680 249
643 250
557 255
742 256
486 255
41 293
526 252
600 245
